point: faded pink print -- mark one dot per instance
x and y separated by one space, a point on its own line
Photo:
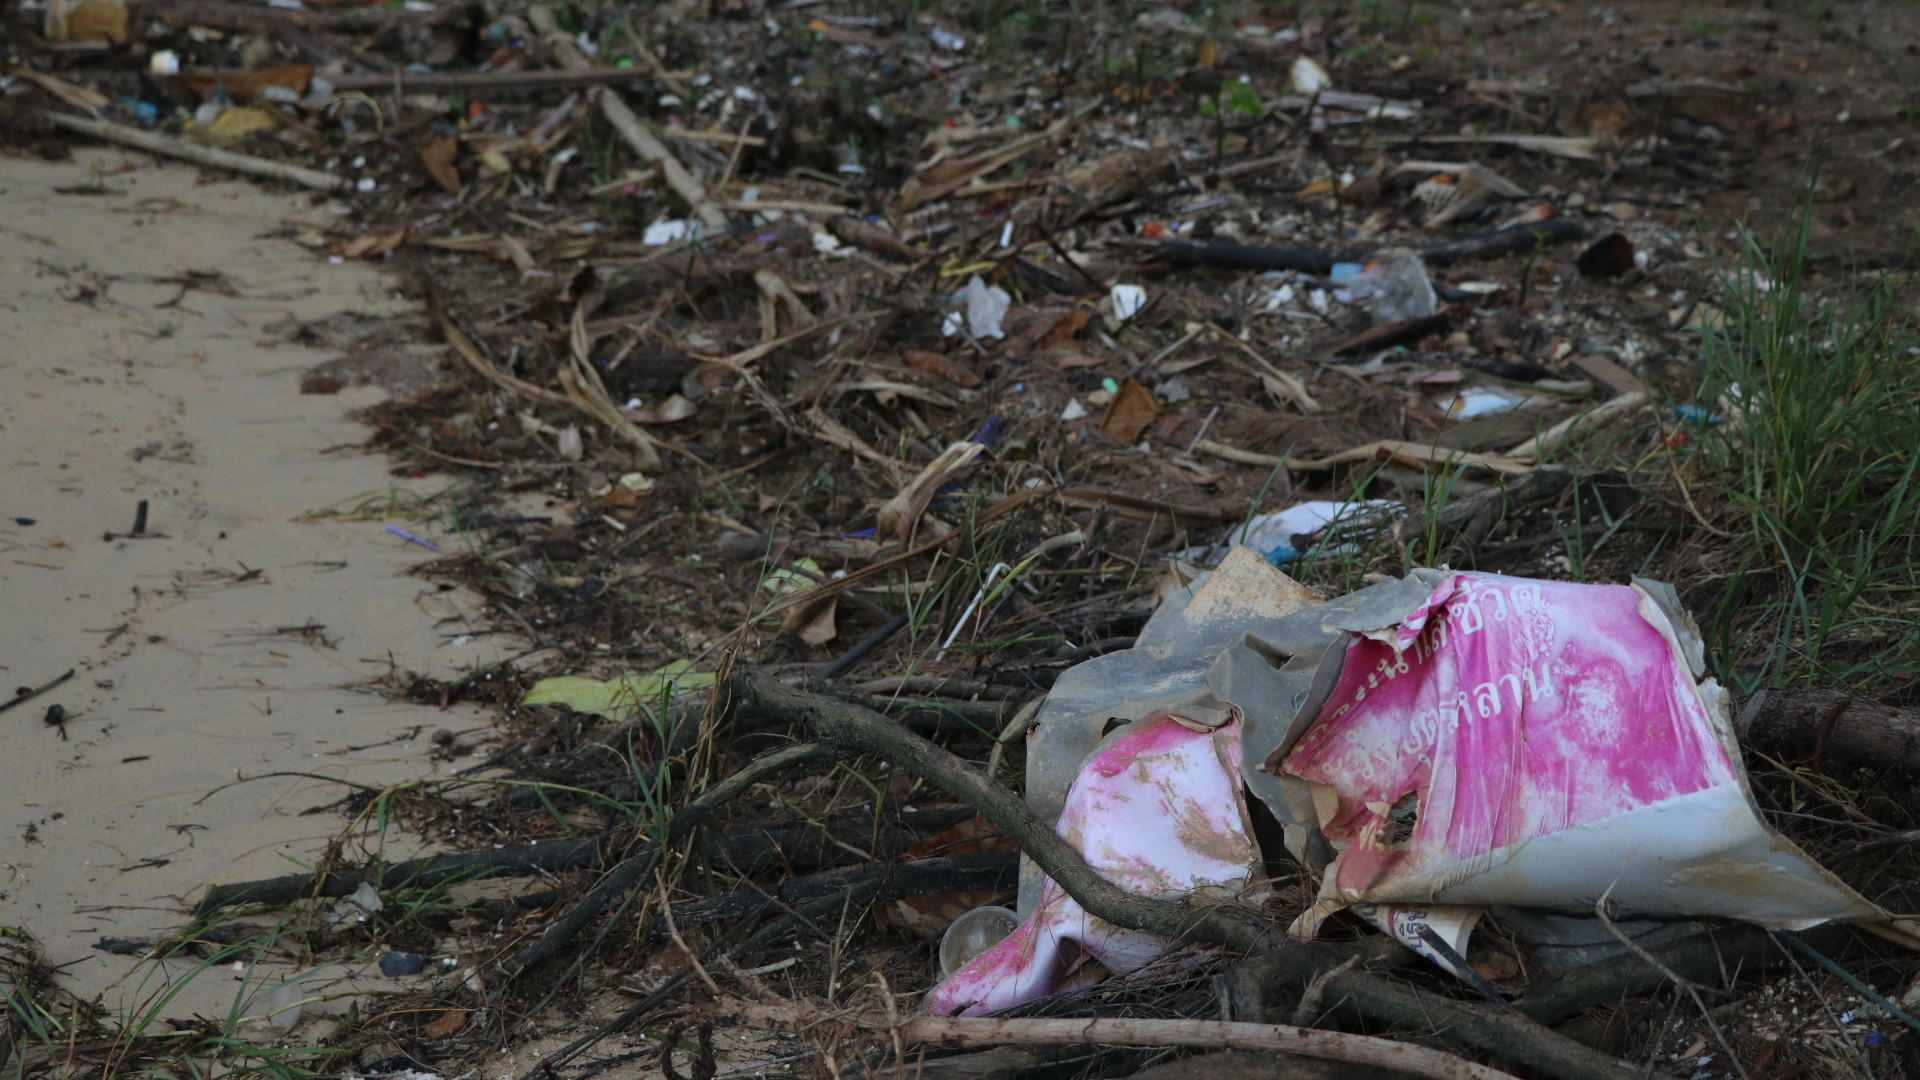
1158 813
1516 709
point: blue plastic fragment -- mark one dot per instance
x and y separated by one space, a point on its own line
989 432
1344 272
1694 414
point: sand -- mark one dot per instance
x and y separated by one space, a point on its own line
190 667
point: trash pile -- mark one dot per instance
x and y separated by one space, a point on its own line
1257 435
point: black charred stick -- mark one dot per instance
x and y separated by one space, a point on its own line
28 693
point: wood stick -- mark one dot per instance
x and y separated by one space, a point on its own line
484 83
463 345
638 866
1214 1034
848 727
200 155
628 125
1579 422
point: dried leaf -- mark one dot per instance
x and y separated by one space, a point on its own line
438 157
1067 330
446 1024
377 242
935 364
1129 413
820 628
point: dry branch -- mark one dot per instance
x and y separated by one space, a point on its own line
636 868
1832 725
463 345
1215 1034
851 728
628 125
199 155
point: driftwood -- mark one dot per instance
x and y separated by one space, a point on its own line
168 146
851 728
540 17
1822 726
1111 1031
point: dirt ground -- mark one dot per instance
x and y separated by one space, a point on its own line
723 407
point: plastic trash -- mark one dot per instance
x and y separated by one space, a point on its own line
986 308
281 1005
1397 290
662 233
1550 743
1481 401
1126 301
1442 744
1287 535
1309 77
972 934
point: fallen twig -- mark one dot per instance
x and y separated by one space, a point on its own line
485 83
683 183
851 728
463 345
637 867
1216 1034
200 155
28 693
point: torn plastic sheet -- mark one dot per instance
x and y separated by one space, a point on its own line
1158 812
1539 744
1440 744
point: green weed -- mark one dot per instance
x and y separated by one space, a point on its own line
1818 453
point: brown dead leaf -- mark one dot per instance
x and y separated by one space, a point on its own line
1066 331
1078 360
1129 413
446 1024
935 364
438 157
820 629
377 242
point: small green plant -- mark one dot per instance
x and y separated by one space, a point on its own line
1817 447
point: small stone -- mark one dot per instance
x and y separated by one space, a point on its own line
398 965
